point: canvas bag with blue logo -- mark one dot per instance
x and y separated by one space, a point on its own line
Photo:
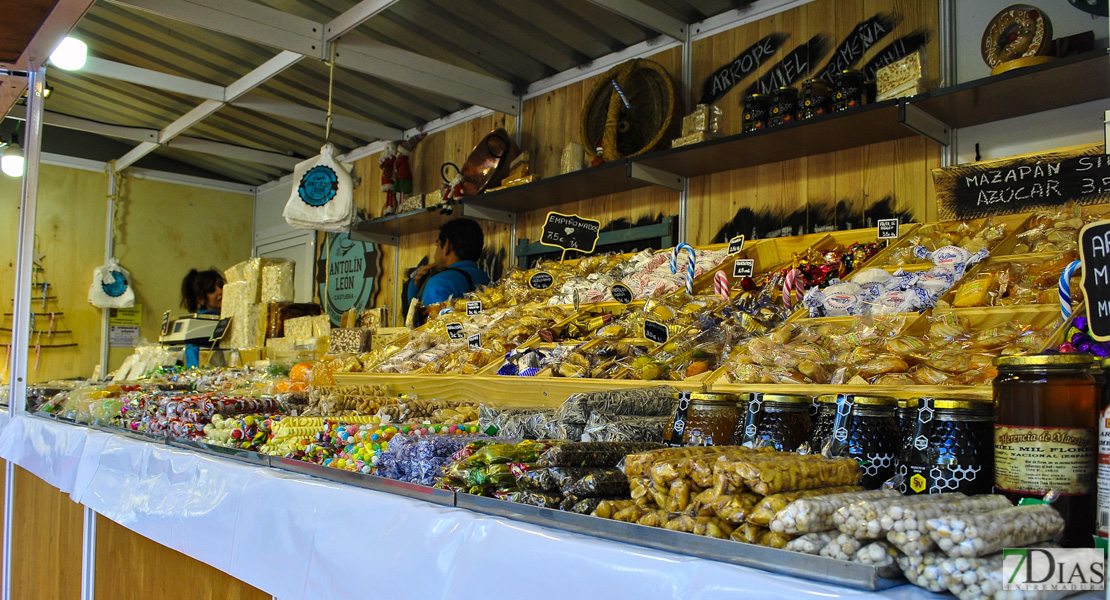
322 197
111 286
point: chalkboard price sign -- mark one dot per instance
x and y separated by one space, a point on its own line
473 307
165 322
656 332
736 244
1023 183
455 331
621 293
570 232
744 267
888 229
474 342
220 330
1094 251
541 280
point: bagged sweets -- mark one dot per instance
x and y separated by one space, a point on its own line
593 454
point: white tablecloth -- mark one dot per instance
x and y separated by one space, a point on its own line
303 538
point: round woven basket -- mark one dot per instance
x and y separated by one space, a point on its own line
646 123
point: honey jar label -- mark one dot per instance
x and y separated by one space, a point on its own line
1038 459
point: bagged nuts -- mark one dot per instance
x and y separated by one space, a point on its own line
970 536
905 525
808 515
863 520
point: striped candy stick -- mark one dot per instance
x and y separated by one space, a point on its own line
1065 288
720 285
690 269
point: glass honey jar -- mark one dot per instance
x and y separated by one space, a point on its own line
1045 435
780 420
702 419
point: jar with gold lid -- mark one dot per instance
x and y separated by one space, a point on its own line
702 419
906 413
757 112
950 447
823 419
865 429
1045 435
781 420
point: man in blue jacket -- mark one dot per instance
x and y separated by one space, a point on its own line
453 271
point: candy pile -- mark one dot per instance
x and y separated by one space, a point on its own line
949 351
972 236
357 447
1018 282
251 432
652 274
421 458
1080 340
184 416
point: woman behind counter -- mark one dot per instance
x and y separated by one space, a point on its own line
202 292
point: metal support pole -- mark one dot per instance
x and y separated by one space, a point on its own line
25 249
109 252
946 10
88 556
9 493
688 98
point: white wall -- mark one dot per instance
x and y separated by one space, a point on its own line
1080 124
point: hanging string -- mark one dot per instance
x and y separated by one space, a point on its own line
331 80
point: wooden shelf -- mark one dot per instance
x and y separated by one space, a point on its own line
591 182
869 124
1055 84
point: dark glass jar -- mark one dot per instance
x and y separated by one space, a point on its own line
1098 372
823 418
865 429
702 419
1045 435
757 109
906 413
951 448
784 107
816 99
849 91
781 419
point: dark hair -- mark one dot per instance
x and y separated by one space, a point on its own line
197 285
466 238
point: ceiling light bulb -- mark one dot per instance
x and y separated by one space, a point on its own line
11 162
70 54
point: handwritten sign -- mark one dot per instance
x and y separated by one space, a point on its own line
888 229
1094 251
855 45
455 331
736 245
165 322
570 232
1023 183
656 332
541 280
473 307
747 62
744 267
220 330
474 342
621 293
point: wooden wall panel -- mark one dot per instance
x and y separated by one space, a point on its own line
838 189
155 571
47 531
164 230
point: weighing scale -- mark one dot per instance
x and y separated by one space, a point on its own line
192 329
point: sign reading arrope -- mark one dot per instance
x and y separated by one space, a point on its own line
736 244
541 280
744 267
455 331
570 232
888 229
1094 251
621 293
656 332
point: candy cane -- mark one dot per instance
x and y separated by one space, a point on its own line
720 285
1065 288
791 285
690 269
